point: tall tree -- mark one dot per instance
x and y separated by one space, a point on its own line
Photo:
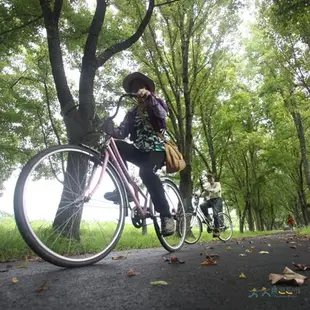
63 21
180 49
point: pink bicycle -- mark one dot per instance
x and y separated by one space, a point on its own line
60 208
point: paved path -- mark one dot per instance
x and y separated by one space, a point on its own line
190 285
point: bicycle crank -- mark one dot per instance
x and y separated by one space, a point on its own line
136 219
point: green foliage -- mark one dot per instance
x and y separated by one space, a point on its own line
13 247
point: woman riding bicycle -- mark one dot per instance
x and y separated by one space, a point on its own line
212 189
141 123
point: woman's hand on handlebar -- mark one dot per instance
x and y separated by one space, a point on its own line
143 93
107 125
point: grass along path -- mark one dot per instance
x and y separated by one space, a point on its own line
13 247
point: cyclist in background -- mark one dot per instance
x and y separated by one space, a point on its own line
291 221
141 123
212 191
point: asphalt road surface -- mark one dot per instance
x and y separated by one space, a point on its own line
106 285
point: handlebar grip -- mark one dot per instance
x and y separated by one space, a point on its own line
119 102
132 94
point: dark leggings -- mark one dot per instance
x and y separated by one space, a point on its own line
217 206
149 163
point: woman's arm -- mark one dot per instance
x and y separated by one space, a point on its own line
122 131
158 109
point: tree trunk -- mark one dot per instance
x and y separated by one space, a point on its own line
272 217
302 143
260 213
308 211
186 188
250 218
242 220
68 217
78 121
302 196
257 220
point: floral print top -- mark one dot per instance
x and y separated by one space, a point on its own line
147 140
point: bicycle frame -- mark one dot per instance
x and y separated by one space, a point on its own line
111 153
199 211
201 214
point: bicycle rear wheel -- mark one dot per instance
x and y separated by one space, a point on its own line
176 241
193 228
225 226
54 212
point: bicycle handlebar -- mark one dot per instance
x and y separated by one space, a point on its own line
119 102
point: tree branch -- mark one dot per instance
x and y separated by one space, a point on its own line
203 158
94 30
22 26
164 3
50 112
57 9
51 25
118 47
89 63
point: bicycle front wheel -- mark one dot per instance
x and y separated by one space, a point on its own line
225 227
176 241
55 213
194 228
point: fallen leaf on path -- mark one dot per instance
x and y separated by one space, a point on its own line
263 252
35 259
292 246
25 264
249 250
252 247
275 278
242 276
228 248
131 273
14 280
119 257
42 287
210 247
173 260
209 262
242 254
269 244
302 267
212 256
288 277
155 283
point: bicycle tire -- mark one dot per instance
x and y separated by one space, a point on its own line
228 219
24 225
162 239
190 218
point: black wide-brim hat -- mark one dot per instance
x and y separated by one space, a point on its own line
138 76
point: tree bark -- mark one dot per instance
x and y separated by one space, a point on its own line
302 143
250 217
242 220
69 213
